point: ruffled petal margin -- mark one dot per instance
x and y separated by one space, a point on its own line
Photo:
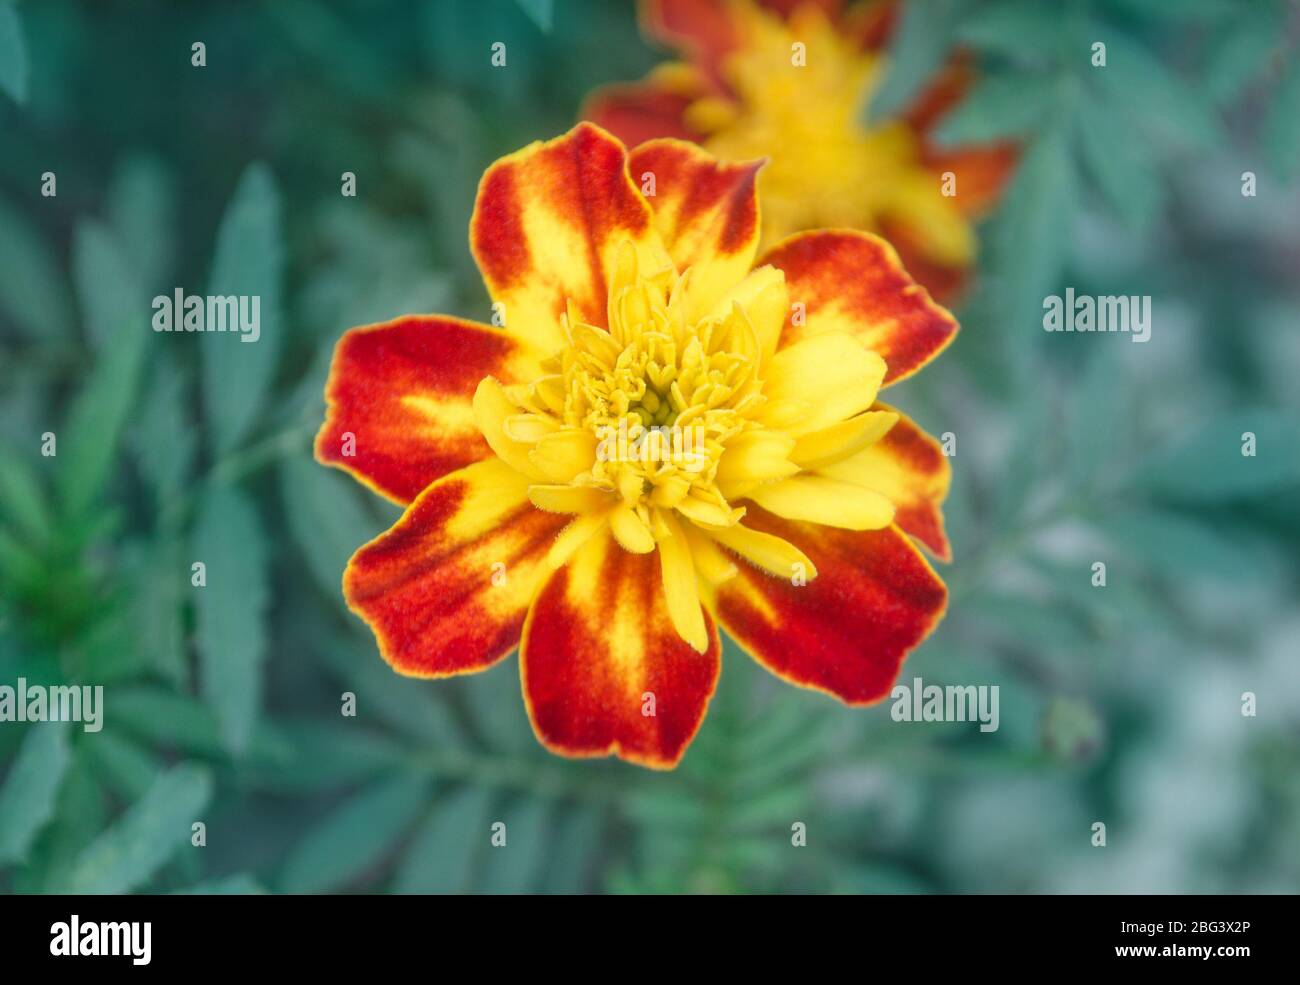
854 282
399 395
548 223
847 631
603 670
447 588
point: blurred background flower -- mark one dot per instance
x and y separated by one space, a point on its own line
1119 704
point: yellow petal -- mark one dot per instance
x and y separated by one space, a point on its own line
834 372
841 440
569 499
765 300
826 501
710 563
680 589
491 409
560 456
630 530
771 553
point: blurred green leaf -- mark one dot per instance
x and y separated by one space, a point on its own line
326 519
28 796
13 54
108 287
447 843
230 612
540 12
516 866
164 440
32 287
22 500
129 853
126 768
1177 546
355 836
1122 168
88 444
1169 104
249 262
998 107
1241 53
1281 133
1208 466
1017 29
141 208
919 48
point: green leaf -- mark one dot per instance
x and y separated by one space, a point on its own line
1280 137
22 500
230 612
88 444
141 208
32 288
1014 29
14 69
326 520
131 851
997 108
540 12
919 49
1121 168
516 866
355 836
446 844
108 287
165 718
1209 465
249 263
1033 233
1242 54
126 768
28 796
1169 104
164 441
241 884
1177 546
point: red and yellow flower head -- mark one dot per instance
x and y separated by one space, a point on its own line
791 80
540 512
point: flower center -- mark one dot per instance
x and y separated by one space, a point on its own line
662 391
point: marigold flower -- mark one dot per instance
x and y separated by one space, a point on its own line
787 519
792 79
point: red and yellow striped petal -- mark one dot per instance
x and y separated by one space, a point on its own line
604 671
847 631
706 212
909 468
547 227
399 399
982 173
853 282
447 588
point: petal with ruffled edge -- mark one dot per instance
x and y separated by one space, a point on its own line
706 212
548 223
604 671
447 588
854 282
909 468
847 631
399 399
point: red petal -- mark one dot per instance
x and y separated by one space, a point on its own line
706 212
446 589
598 643
639 111
854 282
706 30
847 631
547 226
403 390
